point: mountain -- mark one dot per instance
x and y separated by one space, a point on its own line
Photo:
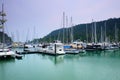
79 31
7 38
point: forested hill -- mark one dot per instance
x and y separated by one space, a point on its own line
80 31
7 38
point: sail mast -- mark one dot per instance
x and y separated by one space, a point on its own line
63 25
67 29
87 33
71 30
105 31
95 33
27 36
116 33
3 25
2 14
101 35
92 31
17 33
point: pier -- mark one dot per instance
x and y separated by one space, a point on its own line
33 52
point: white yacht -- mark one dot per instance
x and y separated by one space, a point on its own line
6 52
55 48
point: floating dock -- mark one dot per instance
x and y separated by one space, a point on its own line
33 52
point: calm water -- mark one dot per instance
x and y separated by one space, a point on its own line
92 66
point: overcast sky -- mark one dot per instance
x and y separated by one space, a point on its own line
27 19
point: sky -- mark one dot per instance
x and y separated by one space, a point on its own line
29 19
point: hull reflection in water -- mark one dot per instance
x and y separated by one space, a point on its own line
57 59
108 53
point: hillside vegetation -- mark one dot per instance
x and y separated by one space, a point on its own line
80 31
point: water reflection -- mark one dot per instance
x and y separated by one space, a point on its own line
104 53
72 57
61 58
69 57
7 60
57 59
4 63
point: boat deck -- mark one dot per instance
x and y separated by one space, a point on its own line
9 54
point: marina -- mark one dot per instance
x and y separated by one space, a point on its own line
38 43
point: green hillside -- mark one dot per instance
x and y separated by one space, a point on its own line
7 38
79 31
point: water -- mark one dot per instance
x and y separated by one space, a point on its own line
92 66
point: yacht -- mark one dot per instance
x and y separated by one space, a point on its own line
4 53
55 48
75 48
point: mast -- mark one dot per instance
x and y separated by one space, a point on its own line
63 25
67 29
92 32
95 33
116 33
27 36
12 35
18 36
86 33
105 31
50 38
2 14
34 36
58 38
101 35
71 29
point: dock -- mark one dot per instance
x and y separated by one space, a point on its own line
33 52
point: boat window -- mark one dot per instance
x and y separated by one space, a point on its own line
50 48
58 46
60 49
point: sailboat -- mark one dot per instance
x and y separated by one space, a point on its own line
54 48
4 51
74 47
95 45
115 46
